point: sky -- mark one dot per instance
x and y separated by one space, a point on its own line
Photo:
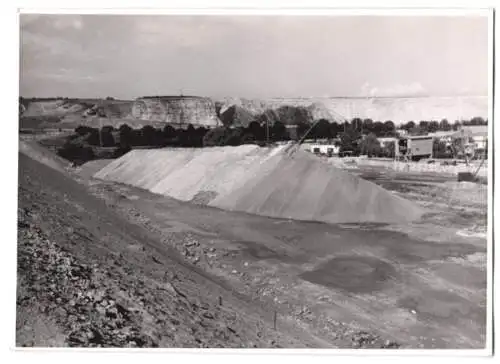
127 56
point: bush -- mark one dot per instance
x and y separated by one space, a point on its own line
214 137
122 150
349 141
278 132
76 152
256 129
370 146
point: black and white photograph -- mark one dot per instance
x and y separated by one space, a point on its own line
258 180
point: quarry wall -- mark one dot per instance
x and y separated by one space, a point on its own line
398 109
179 110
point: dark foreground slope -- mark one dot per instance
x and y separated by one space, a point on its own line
86 277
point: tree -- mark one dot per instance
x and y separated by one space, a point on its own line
378 129
389 128
107 139
125 136
109 98
389 149
444 125
122 150
279 132
148 135
200 133
214 137
370 145
433 127
424 126
234 136
93 137
255 129
334 129
357 124
84 130
349 141
76 152
321 130
248 138
302 128
408 126
169 134
456 125
477 120
367 125
191 136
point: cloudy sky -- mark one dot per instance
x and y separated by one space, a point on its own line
252 56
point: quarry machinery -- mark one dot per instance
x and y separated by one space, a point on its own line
414 147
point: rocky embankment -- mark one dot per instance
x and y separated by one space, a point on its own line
88 278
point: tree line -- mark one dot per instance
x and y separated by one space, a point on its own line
443 125
356 137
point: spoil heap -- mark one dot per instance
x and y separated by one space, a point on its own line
269 182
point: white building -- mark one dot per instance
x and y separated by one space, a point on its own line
329 149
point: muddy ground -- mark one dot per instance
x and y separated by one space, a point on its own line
421 285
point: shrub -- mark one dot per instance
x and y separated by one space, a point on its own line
107 139
76 152
370 146
214 137
122 150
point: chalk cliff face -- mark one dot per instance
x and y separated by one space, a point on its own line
177 110
399 109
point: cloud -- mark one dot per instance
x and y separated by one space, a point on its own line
411 89
60 75
68 21
27 19
179 31
41 43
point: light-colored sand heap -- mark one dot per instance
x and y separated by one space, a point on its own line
265 181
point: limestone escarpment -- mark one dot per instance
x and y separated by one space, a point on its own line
397 109
177 110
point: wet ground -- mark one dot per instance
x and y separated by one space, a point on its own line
421 284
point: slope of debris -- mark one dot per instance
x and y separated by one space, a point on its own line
98 281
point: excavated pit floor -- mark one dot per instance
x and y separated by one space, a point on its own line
421 284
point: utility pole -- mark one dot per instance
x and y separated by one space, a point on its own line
100 123
267 131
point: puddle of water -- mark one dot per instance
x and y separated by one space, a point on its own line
262 252
356 274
